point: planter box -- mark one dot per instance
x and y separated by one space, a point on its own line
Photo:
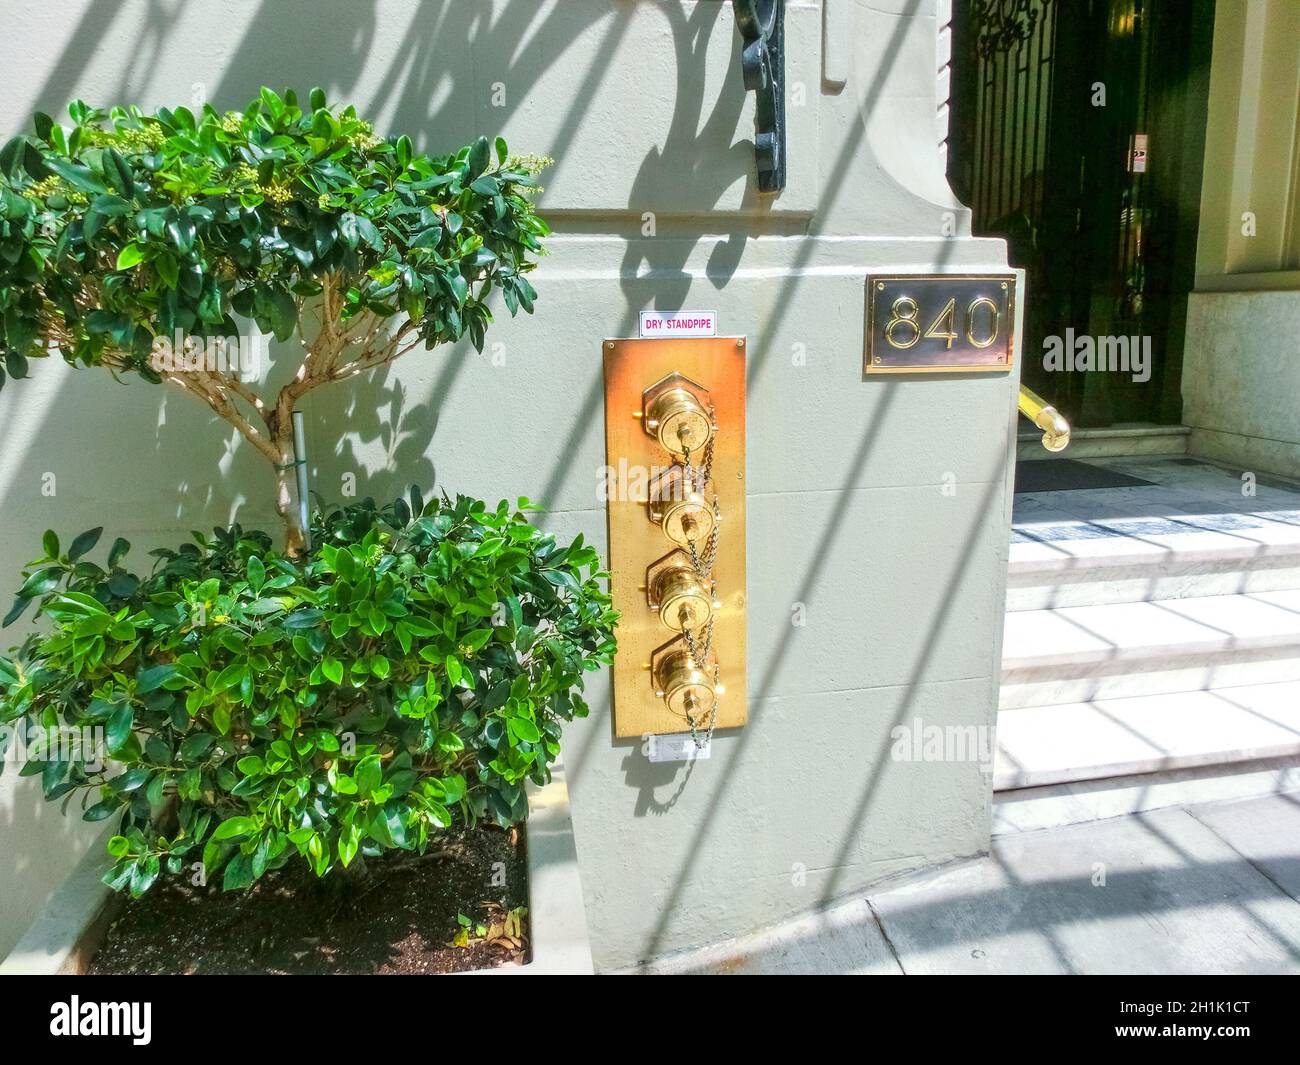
71 927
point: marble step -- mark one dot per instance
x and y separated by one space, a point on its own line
1115 738
1078 654
1105 443
1077 801
1153 565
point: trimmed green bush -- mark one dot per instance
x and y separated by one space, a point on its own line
412 671
378 678
126 229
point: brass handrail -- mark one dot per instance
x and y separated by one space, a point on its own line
1056 430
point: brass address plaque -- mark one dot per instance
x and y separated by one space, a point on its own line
940 323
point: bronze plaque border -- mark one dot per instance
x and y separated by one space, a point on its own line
868 338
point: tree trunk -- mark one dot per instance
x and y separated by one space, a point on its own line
286 501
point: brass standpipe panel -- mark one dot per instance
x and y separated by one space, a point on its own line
678 412
675 439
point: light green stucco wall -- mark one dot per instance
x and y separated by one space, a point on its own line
1241 377
879 506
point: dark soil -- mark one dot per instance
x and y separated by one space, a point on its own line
400 919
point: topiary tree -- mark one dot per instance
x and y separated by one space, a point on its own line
128 230
362 688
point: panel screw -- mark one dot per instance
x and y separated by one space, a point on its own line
740 343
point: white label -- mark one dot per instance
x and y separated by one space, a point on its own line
679 324
1138 154
678 747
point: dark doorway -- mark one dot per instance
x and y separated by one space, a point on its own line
1077 133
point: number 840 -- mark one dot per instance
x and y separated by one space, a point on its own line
904 326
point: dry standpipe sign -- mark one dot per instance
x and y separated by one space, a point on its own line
656 324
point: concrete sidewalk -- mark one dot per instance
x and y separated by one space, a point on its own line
1198 889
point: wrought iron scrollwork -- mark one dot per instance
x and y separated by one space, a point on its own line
762 61
1002 24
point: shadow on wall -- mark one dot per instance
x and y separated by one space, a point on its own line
40 845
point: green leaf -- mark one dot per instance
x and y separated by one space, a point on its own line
75 174
130 255
118 551
15 611
368 774
239 873
15 365
118 173
349 843
168 269
235 826
41 582
478 158
332 668
523 729
196 745
101 810
458 285
455 672
304 619
230 676
118 730
85 542
146 872
153 678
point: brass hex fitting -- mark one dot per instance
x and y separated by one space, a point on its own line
675 411
679 508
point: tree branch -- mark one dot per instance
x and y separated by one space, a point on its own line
202 386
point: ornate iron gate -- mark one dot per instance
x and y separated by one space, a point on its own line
1077 134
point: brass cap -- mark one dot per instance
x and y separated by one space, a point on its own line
687 521
679 421
683 600
685 689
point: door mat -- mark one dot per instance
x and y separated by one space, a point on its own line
1069 475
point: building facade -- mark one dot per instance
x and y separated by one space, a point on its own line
878 506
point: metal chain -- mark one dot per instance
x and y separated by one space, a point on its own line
700 744
701 653
704 566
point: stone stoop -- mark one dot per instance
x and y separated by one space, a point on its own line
1151 649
